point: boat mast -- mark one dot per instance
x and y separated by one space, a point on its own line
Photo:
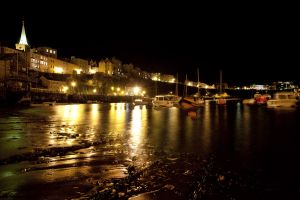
185 84
198 81
220 81
176 90
155 87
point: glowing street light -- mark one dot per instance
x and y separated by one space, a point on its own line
94 90
65 88
136 90
73 84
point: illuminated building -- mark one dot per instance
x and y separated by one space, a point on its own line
83 64
283 85
106 67
44 59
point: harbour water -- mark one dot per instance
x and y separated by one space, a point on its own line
65 151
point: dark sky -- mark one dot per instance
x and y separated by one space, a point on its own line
249 43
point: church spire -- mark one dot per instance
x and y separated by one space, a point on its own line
23 39
23 44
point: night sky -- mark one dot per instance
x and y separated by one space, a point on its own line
251 44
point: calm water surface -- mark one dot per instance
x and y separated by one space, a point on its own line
265 142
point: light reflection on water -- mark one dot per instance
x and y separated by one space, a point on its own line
210 128
252 137
136 129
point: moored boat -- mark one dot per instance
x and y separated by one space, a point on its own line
142 101
166 100
258 99
221 98
191 102
284 99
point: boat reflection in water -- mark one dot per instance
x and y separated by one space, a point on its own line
192 115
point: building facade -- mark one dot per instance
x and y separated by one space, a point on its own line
106 67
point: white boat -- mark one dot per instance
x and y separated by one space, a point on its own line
166 100
142 101
283 99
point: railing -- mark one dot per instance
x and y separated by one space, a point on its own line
45 90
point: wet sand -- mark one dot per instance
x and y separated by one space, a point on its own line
105 171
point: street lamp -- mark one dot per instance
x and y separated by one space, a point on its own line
73 84
65 89
136 90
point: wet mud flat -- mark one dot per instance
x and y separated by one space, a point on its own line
109 169
112 174
177 176
188 176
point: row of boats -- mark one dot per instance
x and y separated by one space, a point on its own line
190 102
279 99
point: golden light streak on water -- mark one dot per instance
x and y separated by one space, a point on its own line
137 128
207 128
117 118
68 118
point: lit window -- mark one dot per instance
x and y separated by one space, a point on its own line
50 51
46 50
53 52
